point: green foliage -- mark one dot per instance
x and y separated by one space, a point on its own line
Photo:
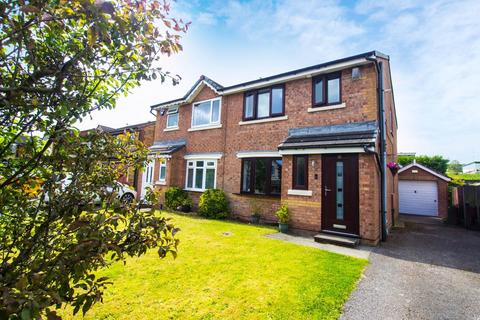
283 214
436 163
256 208
213 204
465 176
175 197
454 167
59 61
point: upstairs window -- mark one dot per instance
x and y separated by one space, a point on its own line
327 89
172 118
262 176
264 103
206 113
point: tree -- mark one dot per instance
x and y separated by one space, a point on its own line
455 167
59 61
436 163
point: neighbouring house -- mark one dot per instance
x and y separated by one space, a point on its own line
145 133
317 139
422 191
472 167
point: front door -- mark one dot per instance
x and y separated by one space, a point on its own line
340 199
147 177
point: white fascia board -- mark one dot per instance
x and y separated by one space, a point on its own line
322 151
418 165
190 97
306 74
204 156
258 154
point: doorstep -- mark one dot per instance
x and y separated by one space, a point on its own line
362 252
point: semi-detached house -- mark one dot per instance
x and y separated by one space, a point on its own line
317 139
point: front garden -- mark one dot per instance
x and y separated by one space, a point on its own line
229 270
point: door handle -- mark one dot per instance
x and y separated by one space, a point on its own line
326 190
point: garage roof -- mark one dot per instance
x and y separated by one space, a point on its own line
418 165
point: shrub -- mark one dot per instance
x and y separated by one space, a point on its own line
283 214
213 204
175 197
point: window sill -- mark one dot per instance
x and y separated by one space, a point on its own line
215 126
295 192
194 190
162 183
242 123
331 107
171 129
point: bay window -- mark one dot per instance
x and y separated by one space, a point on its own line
264 103
261 176
327 89
201 174
206 113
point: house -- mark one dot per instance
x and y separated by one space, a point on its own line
317 139
143 132
423 191
472 167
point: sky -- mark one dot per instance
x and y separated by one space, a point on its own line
434 48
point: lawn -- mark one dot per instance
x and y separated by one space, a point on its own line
242 275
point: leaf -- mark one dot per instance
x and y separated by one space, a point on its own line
26 314
30 9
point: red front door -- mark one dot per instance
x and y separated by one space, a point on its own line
340 201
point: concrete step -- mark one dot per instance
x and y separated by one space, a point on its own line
337 240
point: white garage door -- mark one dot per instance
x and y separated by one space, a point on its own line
418 197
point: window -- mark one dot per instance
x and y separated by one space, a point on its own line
264 103
172 117
163 170
262 176
300 172
327 89
201 174
206 113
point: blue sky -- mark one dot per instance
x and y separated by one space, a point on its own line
434 48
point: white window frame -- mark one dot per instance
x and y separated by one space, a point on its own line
170 112
204 176
211 124
163 164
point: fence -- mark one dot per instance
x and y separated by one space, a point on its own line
465 208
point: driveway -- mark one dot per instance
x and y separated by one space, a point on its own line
424 271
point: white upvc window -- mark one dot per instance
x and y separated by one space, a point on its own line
201 174
172 118
206 113
163 170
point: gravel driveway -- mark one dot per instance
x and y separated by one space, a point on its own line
424 271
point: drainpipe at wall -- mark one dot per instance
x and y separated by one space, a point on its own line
383 148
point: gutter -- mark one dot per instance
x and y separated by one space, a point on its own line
383 148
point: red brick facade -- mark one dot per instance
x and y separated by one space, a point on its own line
359 98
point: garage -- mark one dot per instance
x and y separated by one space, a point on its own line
422 191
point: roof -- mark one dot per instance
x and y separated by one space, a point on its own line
418 165
125 128
473 162
167 146
290 75
343 135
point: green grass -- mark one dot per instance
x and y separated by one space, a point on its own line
241 276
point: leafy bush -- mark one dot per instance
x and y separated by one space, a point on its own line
175 197
283 214
436 163
213 204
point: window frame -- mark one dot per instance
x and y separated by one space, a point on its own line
163 163
171 112
255 94
204 176
325 78
268 185
210 124
294 173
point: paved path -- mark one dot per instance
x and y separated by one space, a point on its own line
424 271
